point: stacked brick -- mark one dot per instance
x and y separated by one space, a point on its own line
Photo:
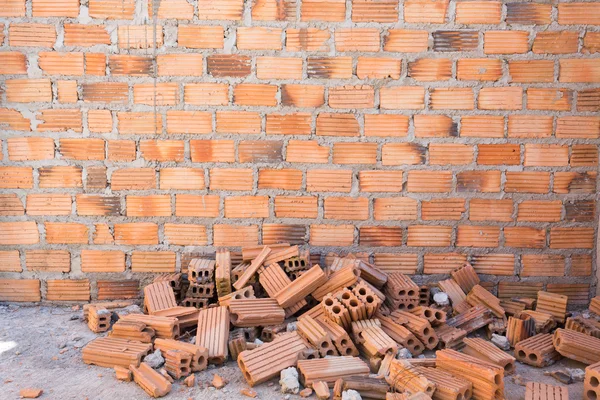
446 131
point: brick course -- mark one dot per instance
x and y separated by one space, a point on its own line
418 133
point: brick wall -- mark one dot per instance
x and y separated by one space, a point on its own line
418 133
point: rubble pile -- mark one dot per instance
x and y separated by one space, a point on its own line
344 331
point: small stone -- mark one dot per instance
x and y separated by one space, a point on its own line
291 327
287 397
30 393
577 374
74 317
258 342
403 353
17 353
351 395
190 381
270 384
306 392
154 360
441 299
501 341
248 392
218 382
289 381
518 380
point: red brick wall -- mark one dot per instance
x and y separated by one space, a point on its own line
419 133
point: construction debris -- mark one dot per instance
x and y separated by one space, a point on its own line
322 328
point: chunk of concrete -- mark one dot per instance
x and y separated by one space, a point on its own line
289 381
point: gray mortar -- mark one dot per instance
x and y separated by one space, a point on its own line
141 17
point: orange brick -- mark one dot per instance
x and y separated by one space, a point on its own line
478 181
429 236
102 261
575 182
501 98
302 95
182 179
278 67
527 182
455 40
384 125
307 39
156 94
442 263
425 11
231 179
201 94
139 36
584 155
285 179
60 177
244 122
328 67
385 11
212 150
528 13
251 94
13 8
549 99
430 69
434 126
402 98
91 204
450 209
133 179
378 68
591 43
112 9
478 12
581 265
450 154
572 238
235 235
361 96
67 91
307 151
189 122
429 181
224 10
378 236
68 290
296 207
556 42
269 151
247 207
323 10
540 211
346 208
329 124
478 69
153 261
491 210
176 9
274 10
186 235
102 234
11 205
85 35
506 42
587 100
139 123
162 150
395 209
331 235
258 38
499 154
579 13
30 148
200 37
227 65
179 64
380 181
354 153
403 154
523 236
66 233
328 180
121 150
28 90
60 120
529 126
579 70
14 120
543 265
131 65
136 233
20 290
12 62
531 71
82 149
477 236
16 177
95 64
202 206
149 206
452 99
9 261
406 41
31 35
578 127
17 233
288 124
357 39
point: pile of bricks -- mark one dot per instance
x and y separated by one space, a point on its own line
342 327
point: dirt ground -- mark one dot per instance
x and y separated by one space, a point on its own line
40 347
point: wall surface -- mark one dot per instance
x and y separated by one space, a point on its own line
418 133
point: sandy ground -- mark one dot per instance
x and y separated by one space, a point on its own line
41 347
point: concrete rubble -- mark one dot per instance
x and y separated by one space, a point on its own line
350 328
